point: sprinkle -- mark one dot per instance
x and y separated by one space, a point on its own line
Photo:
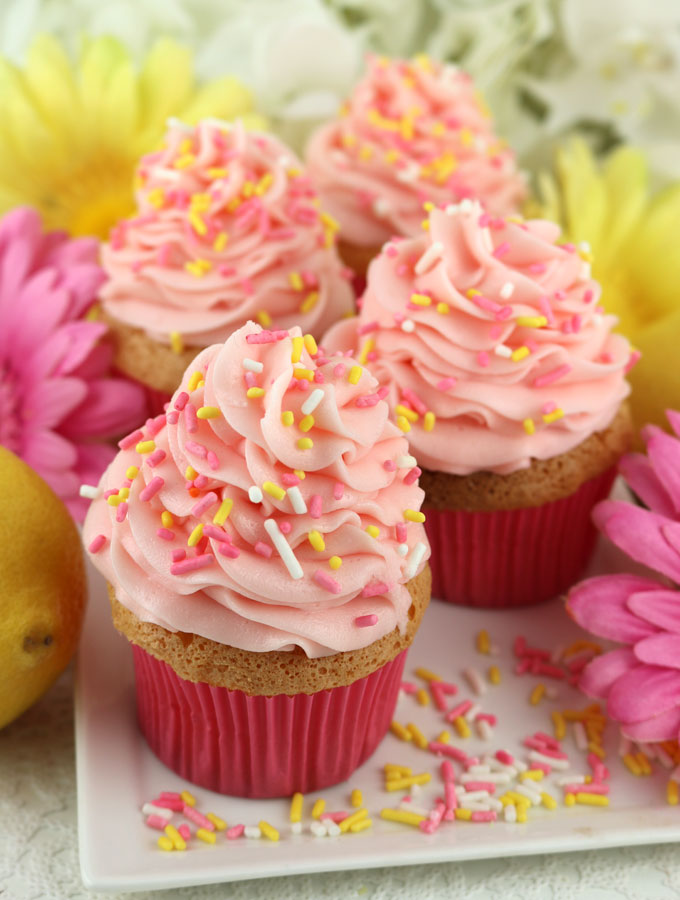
672 792
97 543
356 798
335 562
255 494
507 290
266 337
274 490
400 815
474 679
354 374
315 538
532 321
309 302
235 832
483 359
192 564
520 353
283 547
462 727
318 808
398 784
529 426
296 500
204 504
327 582
412 515
208 412
298 345
263 318
553 416
373 530
408 325
222 513
428 421
296 807
366 621
416 558
268 830
494 675
312 402
254 392
537 694
305 443
151 489
423 697
195 535
145 447
303 373
501 250
252 365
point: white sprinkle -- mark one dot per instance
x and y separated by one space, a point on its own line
452 209
431 256
484 730
297 500
584 246
503 350
519 764
493 777
296 828
585 271
498 766
495 804
406 462
318 829
416 789
332 828
479 769
510 813
553 761
467 205
475 680
402 549
410 173
217 123
252 831
469 798
472 712
487 240
408 325
255 494
150 810
312 401
252 365
381 207
282 545
409 807
284 161
415 559
507 290
597 319
91 491
570 779
526 791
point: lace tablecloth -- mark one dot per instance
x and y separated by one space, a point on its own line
39 845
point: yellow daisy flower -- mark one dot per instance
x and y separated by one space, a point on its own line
72 133
634 238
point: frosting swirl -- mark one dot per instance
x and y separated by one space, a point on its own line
490 337
228 229
411 132
274 505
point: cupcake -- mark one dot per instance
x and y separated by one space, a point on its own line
267 561
227 229
502 369
410 132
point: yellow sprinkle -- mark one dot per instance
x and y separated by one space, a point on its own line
403 424
559 725
220 824
401 815
360 826
462 727
443 308
520 353
537 694
305 443
298 344
529 426
412 515
287 417
373 530
166 519
190 473
296 807
310 345
183 162
421 299
220 242
354 374
197 223
553 416
518 799
131 472
178 842
318 808
195 535
329 221
427 675
188 798
145 447
165 843
124 493
399 731
208 412
417 735
209 837
248 189
463 814
643 762
335 562
198 267
222 513
408 413
315 538
672 792
194 380
114 499
532 321
369 344
176 342
263 318
357 798
156 197
596 749
548 800
306 423
400 784
254 392
472 292
632 764
217 172
309 302
429 421
592 799
234 204
307 374
200 202
392 770
423 697
300 474
532 775
295 281
443 737
494 675
274 490
268 830
482 641
425 224
347 823
521 814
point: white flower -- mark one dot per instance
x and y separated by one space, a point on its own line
392 27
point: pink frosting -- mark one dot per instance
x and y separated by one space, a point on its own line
511 354
260 582
228 229
411 132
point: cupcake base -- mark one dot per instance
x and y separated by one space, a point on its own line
257 746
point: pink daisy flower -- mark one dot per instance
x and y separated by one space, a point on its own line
640 681
58 401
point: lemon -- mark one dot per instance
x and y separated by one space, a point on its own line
42 586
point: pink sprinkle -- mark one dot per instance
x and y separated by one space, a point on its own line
152 488
319 377
535 744
536 268
172 417
185 831
414 400
446 384
368 328
266 337
214 531
523 666
539 668
450 799
440 690
592 788
309 278
543 767
170 795
600 771
165 534
447 750
190 418
178 555
226 271
302 384
484 220
367 400
565 327
402 269
234 832
548 407
506 758
413 475
157 822
389 465
213 461
501 249
327 582
391 251
263 549
285 527
97 543
131 439
290 479
483 816
560 295
197 818
552 376
338 490
169 803
588 296
197 449
547 739
375 590
192 564
366 621
459 710
570 248
408 687
336 817
447 771
486 717
521 648
633 359
153 426
546 309
156 457
229 550
483 358
576 323
480 786
181 401
401 532
504 313
250 379
204 504
315 506
339 370
201 481
485 303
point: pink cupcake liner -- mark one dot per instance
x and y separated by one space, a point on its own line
514 557
252 746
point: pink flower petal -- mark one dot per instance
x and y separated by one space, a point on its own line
48 402
638 533
643 692
664 455
673 417
600 605
664 727
83 340
659 650
659 608
641 478
47 450
112 406
599 675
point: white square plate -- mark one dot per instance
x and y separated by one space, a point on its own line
117 773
